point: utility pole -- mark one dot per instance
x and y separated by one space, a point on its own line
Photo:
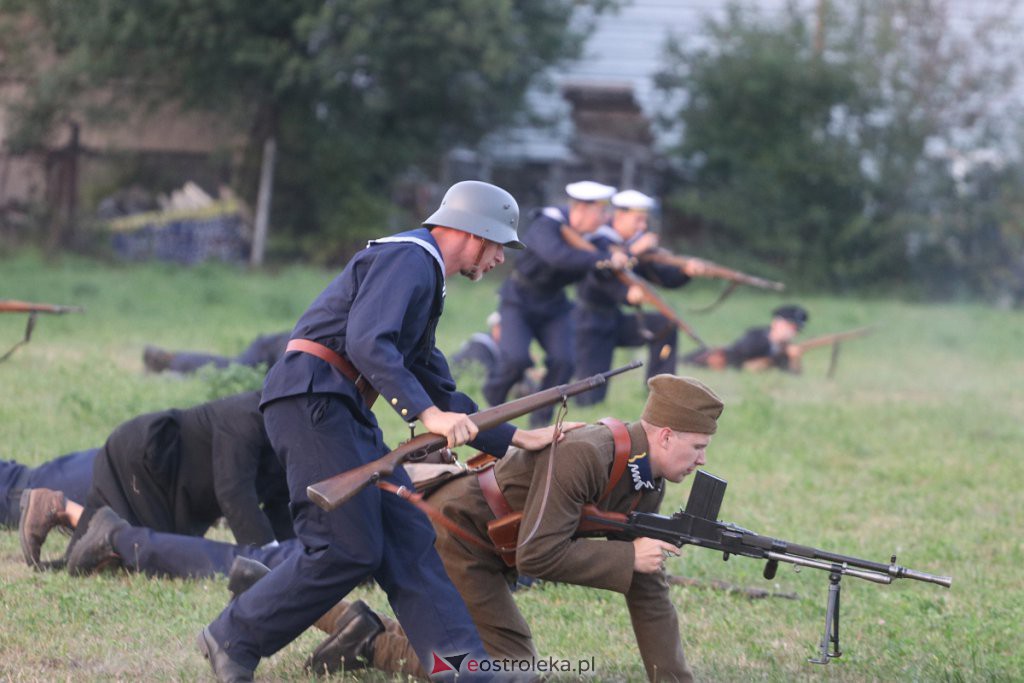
819 30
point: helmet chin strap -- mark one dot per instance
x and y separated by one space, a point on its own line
473 272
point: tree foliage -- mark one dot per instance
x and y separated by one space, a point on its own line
822 159
353 90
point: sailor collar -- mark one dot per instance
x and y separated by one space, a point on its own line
420 237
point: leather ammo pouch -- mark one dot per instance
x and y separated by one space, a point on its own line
504 534
503 530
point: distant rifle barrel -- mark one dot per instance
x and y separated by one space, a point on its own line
14 306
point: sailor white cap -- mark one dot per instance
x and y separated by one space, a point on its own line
632 199
589 191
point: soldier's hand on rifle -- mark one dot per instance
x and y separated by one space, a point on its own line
620 260
649 554
695 267
644 242
456 427
635 295
536 439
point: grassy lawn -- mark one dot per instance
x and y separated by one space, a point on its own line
914 448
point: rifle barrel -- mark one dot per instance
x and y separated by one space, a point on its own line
332 492
14 306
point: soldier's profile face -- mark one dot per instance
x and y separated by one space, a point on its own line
680 453
480 256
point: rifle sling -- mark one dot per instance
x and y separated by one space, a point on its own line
499 505
340 363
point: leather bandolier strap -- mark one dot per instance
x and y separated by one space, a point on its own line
504 528
340 363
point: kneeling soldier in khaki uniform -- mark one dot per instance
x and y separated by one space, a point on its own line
667 443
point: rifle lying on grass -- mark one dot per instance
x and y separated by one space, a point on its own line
13 306
711 270
331 493
631 279
698 525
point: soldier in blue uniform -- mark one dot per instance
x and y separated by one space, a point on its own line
371 330
601 325
533 301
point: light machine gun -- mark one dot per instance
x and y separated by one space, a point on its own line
698 525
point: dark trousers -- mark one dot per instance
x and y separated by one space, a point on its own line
553 329
190 557
71 474
266 349
374 534
600 332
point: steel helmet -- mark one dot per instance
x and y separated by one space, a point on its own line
480 209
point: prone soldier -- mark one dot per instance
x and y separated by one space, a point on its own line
264 350
174 471
759 347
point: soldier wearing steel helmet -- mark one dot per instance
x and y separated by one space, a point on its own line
533 301
370 333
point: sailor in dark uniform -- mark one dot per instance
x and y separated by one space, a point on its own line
601 325
264 350
71 474
759 347
482 350
174 471
533 301
371 331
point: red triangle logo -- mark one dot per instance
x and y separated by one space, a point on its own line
440 665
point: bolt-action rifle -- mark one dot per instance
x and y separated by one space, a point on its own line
631 279
698 525
331 493
832 340
710 269
13 306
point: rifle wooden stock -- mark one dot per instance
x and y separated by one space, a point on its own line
711 269
828 339
630 279
13 306
333 492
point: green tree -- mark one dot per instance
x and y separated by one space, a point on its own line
820 158
767 153
352 90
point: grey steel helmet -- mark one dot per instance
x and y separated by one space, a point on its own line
480 209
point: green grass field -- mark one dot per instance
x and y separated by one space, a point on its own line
915 448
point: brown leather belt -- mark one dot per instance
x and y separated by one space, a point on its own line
340 363
492 493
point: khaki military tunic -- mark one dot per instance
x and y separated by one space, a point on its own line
580 474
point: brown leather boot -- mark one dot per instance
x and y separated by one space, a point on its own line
156 359
41 511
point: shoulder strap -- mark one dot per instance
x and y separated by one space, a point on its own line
623 445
